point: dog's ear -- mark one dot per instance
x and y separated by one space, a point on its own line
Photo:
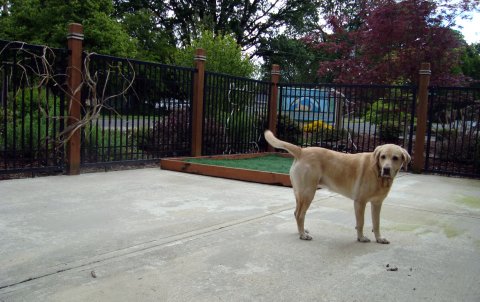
376 153
406 159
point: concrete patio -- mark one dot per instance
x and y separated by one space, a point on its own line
153 235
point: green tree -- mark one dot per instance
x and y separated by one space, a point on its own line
247 21
298 62
471 62
45 22
153 44
224 55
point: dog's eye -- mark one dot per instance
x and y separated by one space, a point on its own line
383 157
395 158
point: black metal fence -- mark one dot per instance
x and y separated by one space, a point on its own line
349 118
136 111
32 107
453 141
235 114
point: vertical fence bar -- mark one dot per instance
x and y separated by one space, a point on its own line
422 106
75 38
3 106
207 120
429 133
412 118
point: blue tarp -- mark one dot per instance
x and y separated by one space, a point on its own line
308 105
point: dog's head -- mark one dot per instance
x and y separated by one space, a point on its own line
390 158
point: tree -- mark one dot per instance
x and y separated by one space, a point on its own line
224 55
471 62
45 22
248 21
4 6
298 62
153 44
390 44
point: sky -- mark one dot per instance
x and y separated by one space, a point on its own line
471 28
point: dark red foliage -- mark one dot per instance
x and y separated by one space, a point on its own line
390 45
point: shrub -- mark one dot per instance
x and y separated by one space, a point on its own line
170 136
389 132
27 136
243 131
31 122
376 112
460 146
389 117
289 131
444 133
333 135
103 144
241 123
213 137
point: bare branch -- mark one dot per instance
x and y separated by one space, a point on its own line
37 71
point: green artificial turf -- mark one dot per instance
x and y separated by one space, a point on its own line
267 163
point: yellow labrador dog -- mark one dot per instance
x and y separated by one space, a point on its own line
363 177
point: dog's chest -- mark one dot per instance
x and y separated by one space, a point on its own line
372 190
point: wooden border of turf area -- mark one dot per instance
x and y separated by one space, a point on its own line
181 165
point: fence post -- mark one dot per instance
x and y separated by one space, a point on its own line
197 106
74 75
422 107
272 108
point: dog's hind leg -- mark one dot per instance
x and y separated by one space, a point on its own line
304 199
297 210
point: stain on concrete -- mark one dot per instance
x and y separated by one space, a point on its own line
469 201
404 227
477 244
451 231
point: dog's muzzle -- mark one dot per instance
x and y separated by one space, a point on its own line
386 172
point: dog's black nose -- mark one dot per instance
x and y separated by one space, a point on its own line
386 171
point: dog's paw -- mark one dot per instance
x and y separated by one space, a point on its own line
383 241
363 239
305 236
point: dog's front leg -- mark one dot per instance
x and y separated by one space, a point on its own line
376 208
360 215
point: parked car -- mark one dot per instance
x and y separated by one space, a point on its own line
170 104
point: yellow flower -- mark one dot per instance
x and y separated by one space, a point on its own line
316 126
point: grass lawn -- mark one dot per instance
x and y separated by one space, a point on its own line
268 163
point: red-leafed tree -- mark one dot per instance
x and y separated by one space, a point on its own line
391 42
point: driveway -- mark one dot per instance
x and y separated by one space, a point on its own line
153 235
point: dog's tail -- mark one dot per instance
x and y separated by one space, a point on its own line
279 144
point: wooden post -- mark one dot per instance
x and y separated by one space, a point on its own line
422 108
197 106
338 123
273 108
74 75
